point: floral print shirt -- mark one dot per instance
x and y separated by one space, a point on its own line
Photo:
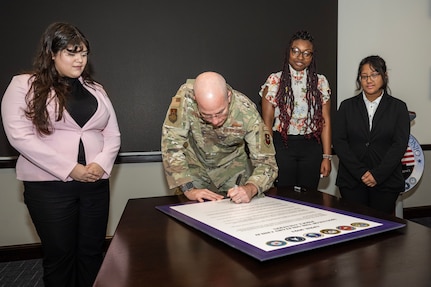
298 120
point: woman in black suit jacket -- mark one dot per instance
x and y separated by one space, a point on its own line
370 136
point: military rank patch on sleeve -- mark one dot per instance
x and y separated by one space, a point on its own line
267 139
266 145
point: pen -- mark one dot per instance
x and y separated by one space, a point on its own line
238 180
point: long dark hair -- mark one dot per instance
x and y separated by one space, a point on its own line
377 64
285 98
57 37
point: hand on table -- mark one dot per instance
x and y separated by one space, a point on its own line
202 194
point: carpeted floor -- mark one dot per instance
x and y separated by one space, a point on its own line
25 273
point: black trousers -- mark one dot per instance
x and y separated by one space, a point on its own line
299 163
71 220
376 197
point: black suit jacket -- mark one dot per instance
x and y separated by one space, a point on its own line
380 150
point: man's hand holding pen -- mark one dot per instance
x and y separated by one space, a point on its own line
242 193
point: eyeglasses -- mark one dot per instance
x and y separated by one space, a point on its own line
220 114
365 78
296 52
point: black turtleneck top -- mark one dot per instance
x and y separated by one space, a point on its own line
81 105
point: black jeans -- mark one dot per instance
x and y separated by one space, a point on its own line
71 220
299 163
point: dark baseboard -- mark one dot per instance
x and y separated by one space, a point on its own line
20 252
417 212
27 251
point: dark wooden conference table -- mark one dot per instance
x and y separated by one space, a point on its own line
150 248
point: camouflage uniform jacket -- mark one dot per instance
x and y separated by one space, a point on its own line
189 143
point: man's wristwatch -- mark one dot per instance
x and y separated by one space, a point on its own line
187 186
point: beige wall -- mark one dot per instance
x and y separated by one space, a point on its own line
398 30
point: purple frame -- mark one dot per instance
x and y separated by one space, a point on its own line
288 250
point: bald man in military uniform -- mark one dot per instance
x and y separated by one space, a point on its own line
205 137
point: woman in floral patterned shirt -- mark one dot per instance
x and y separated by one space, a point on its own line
296 107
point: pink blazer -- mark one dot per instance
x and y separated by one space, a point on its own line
53 157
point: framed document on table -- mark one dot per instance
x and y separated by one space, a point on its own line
273 226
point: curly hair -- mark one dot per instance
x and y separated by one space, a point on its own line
57 37
285 98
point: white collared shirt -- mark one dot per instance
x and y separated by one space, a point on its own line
371 107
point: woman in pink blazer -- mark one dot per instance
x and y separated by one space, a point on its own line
64 127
